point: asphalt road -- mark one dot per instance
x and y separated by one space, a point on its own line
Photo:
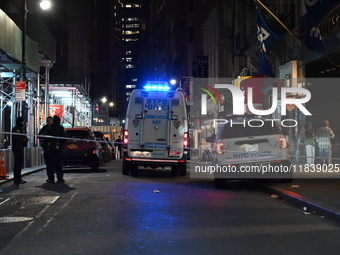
108 213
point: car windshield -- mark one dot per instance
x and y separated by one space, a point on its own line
78 133
254 129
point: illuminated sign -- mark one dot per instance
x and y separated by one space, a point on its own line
20 91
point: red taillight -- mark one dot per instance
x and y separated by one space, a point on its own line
125 138
219 146
94 152
186 140
283 142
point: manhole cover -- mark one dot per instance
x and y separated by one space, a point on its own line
14 219
30 200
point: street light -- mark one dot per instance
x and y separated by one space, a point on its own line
173 81
24 62
107 104
45 5
104 100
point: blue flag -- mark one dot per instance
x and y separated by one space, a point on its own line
266 39
313 36
316 11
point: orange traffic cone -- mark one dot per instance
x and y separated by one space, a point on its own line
3 172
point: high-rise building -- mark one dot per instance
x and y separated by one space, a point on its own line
129 16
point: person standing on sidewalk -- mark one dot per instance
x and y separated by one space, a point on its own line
310 143
119 147
323 139
43 144
55 149
18 144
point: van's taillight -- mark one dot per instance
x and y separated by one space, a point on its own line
125 138
186 140
283 142
219 146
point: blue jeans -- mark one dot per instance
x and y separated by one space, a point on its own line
324 154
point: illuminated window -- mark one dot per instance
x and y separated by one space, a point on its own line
128 60
129 32
128 6
128 53
129 66
133 19
130 86
132 25
131 39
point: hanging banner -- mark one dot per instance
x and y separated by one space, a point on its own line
20 91
57 110
266 39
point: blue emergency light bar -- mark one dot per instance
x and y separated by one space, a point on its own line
157 86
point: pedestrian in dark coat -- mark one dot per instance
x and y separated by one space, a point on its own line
119 147
55 149
43 144
18 144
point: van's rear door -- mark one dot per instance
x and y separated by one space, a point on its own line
155 123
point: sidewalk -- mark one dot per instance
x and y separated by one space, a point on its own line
24 172
319 196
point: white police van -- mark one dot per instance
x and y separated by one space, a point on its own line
156 130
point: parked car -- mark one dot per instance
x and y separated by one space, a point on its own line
82 148
106 148
244 149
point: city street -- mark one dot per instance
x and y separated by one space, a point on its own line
106 212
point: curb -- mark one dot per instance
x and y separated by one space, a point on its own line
300 201
24 172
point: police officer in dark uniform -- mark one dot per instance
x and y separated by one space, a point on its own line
43 144
18 144
55 149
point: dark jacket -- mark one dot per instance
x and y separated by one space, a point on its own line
19 141
309 137
119 143
42 132
55 130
